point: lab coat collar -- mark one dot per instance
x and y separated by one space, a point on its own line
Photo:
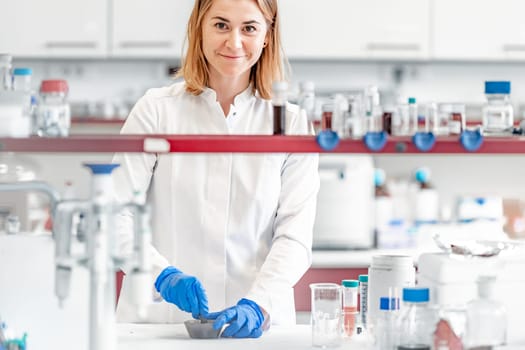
210 95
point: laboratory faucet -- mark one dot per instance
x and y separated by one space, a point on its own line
99 254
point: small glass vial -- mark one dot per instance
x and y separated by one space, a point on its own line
327 116
385 331
432 119
498 113
279 97
363 301
5 72
486 317
413 122
350 292
22 79
53 116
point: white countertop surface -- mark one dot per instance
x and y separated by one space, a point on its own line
355 258
174 336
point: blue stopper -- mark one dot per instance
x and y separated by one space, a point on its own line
416 295
471 140
375 140
379 177
422 175
411 100
22 71
327 140
101 169
424 141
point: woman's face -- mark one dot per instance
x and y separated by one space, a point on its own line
234 32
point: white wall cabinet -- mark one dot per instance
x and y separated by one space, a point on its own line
356 29
149 28
478 30
54 28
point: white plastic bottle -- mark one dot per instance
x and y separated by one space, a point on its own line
486 317
498 113
387 276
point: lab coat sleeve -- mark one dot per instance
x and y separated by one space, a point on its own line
134 174
291 253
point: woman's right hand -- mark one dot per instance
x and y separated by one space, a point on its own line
183 290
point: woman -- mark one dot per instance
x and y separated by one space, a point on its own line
230 231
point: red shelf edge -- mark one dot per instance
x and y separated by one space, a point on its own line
246 144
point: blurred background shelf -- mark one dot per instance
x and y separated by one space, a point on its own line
244 144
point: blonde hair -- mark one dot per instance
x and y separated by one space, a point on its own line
269 67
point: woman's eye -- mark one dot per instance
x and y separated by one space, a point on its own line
250 29
220 25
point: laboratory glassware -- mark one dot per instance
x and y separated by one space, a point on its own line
327 327
498 113
279 97
53 115
385 332
350 313
417 320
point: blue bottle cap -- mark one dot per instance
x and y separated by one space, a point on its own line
22 71
416 295
101 169
497 87
386 303
350 283
411 100
363 278
379 177
422 175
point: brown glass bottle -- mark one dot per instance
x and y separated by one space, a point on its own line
279 119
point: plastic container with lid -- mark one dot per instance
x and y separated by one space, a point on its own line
350 292
417 321
53 115
22 79
387 275
385 333
498 113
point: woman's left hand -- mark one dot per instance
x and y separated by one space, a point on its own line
245 320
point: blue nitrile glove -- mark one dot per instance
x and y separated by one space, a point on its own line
182 290
245 319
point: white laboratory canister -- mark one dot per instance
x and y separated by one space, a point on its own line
387 276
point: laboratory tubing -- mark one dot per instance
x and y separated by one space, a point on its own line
363 300
327 328
498 113
413 117
53 115
387 275
350 292
385 332
6 78
279 97
307 99
327 116
486 317
417 320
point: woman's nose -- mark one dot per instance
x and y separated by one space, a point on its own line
235 40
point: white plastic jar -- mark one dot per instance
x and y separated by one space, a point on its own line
387 276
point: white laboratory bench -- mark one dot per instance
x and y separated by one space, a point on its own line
169 337
352 259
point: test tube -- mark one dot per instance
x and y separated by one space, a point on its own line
363 292
350 292
279 90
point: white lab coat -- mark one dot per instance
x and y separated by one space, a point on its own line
241 223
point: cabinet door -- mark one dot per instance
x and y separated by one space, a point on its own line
149 28
54 28
479 30
335 29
